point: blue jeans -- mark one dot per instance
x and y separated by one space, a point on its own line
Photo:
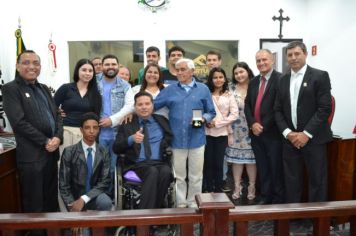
101 203
108 143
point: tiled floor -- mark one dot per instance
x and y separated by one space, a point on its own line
265 228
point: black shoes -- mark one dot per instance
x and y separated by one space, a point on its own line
227 187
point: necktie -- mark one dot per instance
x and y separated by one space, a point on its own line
90 168
146 143
44 108
259 100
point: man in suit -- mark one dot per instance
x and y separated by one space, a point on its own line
143 140
38 130
302 107
84 171
266 140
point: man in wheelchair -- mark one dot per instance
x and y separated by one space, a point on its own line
143 141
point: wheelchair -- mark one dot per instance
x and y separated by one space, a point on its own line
128 192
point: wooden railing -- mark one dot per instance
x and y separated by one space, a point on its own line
214 214
321 213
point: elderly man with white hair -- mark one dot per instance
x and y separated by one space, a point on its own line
182 99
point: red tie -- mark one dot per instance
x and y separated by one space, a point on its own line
259 100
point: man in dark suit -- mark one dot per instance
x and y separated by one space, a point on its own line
266 140
302 107
84 172
143 140
38 131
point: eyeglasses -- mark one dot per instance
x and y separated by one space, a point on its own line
27 63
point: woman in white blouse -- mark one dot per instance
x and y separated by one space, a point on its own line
153 84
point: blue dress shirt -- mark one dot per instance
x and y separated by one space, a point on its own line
155 138
181 104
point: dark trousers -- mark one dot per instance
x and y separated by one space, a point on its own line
156 177
314 158
39 185
268 154
213 163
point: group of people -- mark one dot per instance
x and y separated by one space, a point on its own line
272 124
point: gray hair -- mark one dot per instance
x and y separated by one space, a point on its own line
264 50
189 62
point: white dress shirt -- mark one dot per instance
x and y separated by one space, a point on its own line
85 149
296 80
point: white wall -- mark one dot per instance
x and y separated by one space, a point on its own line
332 27
246 21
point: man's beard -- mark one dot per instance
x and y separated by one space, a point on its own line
110 73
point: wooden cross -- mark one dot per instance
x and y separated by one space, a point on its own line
280 19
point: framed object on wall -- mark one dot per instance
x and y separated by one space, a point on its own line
129 53
277 47
197 49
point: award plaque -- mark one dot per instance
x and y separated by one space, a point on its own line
197 118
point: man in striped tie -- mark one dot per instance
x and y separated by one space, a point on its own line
84 171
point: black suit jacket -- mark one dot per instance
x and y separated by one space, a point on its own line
267 113
73 172
132 153
313 108
22 112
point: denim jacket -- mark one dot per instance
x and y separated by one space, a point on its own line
122 99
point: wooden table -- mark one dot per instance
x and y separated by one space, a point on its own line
341 153
10 201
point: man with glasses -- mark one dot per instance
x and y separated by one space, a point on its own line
38 130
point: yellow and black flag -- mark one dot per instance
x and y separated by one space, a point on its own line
20 46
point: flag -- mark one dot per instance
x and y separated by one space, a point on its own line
52 56
20 46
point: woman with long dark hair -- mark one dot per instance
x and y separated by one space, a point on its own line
77 98
239 152
152 83
217 130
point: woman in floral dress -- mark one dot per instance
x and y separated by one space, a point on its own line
239 151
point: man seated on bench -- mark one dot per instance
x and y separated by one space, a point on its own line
143 140
84 171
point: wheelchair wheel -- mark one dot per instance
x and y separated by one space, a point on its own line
125 231
118 188
171 196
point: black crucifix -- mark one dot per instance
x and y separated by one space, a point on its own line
280 19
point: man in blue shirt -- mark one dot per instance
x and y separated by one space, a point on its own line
143 140
188 142
117 99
